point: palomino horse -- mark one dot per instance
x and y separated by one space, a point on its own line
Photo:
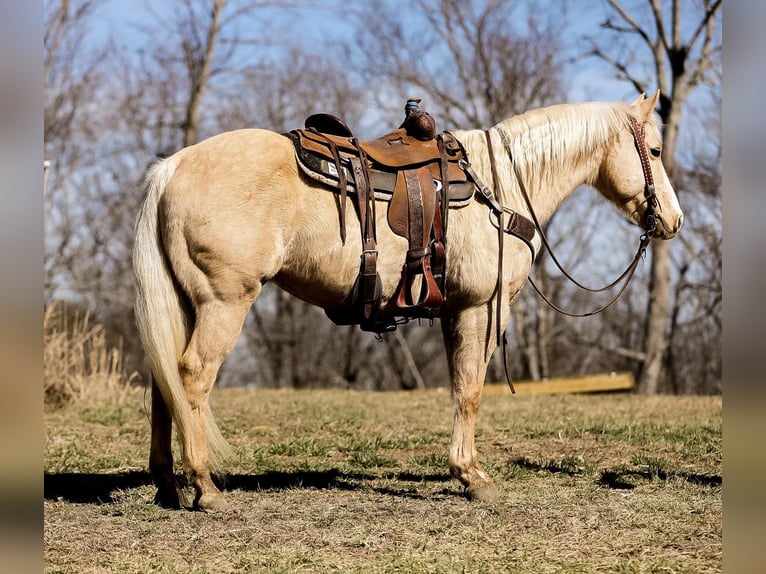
224 216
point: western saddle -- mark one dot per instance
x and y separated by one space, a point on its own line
420 174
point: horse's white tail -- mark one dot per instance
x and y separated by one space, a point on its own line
163 323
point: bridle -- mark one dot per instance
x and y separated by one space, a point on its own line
493 198
651 220
650 223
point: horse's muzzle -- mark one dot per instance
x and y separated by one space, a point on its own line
660 229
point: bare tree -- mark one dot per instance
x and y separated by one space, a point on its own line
72 73
683 49
281 94
189 79
505 70
475 63
88 206
694 353
182 62
205 68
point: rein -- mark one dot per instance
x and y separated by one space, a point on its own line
494 200
627 274
625 277
650 223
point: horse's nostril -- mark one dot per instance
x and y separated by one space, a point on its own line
680 223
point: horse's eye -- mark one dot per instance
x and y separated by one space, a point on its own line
656 151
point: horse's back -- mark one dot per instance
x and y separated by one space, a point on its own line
217 163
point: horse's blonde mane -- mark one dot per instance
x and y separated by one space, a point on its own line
545 141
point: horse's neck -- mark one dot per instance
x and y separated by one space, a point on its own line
547 188
546 153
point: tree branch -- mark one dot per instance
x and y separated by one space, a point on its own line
707 21
621 68
631 22
660 23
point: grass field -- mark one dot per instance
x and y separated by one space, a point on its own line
341 481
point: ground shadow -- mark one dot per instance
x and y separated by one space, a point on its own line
329 479
552 467
94 488
298 479
621 479
91 488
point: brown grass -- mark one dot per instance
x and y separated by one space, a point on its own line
341 481
79 365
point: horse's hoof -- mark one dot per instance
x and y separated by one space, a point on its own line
171 498
485 493
213 503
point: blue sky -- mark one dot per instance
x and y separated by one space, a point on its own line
586 78
119 19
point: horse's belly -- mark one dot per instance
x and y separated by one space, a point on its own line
322 270
317 286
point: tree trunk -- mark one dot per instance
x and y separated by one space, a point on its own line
657 317
199 79
677 73
656 330
409 360
525 337
542 328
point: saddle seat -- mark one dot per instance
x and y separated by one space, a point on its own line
396 149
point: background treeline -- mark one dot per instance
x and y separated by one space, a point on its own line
124 88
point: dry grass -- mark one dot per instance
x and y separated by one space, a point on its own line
79 365
334 481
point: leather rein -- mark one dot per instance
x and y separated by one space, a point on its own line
493 198
650 223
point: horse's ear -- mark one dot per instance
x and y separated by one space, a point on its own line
646 107
639 99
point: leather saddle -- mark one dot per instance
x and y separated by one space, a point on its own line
386 155
419 173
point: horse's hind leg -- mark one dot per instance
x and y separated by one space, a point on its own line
169 495
470 342
216 328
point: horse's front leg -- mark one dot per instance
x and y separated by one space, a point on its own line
470 341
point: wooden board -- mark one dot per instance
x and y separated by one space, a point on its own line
607 382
